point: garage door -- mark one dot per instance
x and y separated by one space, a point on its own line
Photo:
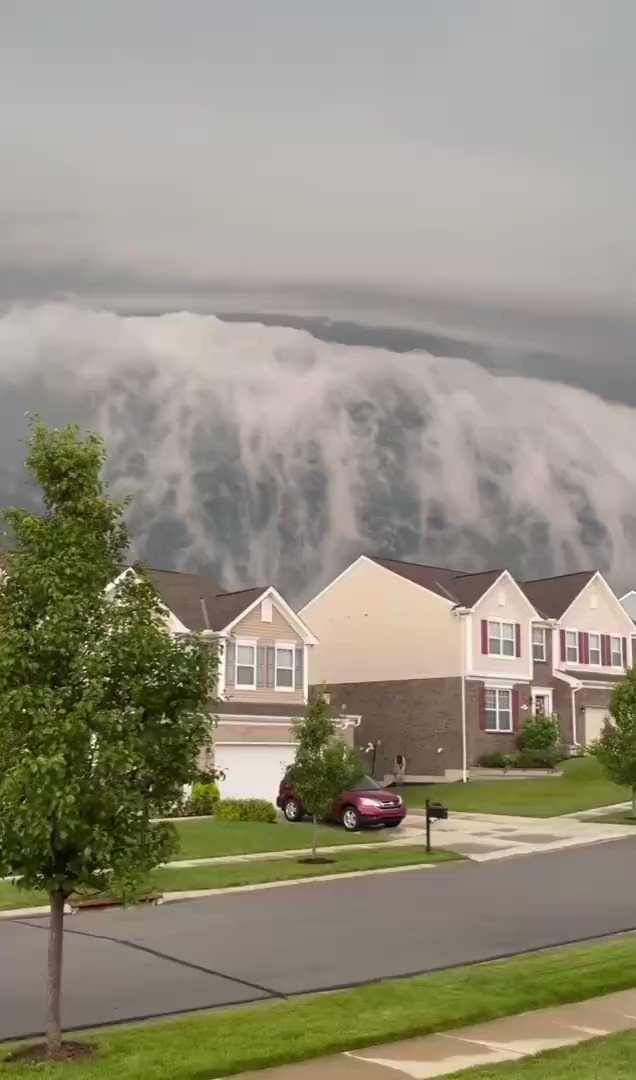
252 772
594 721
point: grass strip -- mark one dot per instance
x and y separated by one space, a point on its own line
610 1058
228 875
231 1041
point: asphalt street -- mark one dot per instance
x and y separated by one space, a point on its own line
121 965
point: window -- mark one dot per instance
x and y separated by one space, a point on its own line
617 652
595 648
498 710
538 643
572 647
542 702
246 665
284 667
501 639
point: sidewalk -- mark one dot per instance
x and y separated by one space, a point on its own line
510 1039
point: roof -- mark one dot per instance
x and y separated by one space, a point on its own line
183 595
434 578
589 675
459 586
552 596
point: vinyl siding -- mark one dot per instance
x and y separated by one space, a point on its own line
373 626
252 628
504 603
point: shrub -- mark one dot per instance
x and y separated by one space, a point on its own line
540 733
494 760
245 810
204 798
535 759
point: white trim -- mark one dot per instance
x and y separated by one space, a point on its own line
632 592
546 692
596 578
569 680
501 677
539 659
222 658
450 602
306 649
289 647
508 575
176 627
503 655
295 620
498 730
246 742
240 719
248 643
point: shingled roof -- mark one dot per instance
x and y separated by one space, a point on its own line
552 596
183 593
460 586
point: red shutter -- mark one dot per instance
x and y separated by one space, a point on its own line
517 639
624 648
584 648
606 650
587 648
563 654
484 637
516 710
482 708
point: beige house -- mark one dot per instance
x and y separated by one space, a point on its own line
264 655
443 666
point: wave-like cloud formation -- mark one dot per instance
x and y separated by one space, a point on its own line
265 455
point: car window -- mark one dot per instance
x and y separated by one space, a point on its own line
366 784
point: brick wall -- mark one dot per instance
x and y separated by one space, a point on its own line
490 742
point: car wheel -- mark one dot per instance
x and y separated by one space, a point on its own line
350 819
293 810
392 824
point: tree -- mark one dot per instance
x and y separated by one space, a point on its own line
102 712
324 765
616 748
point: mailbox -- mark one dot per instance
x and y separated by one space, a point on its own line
434 812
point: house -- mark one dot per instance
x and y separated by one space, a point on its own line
264 653
443 666
629 603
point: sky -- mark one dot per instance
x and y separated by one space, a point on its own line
452 162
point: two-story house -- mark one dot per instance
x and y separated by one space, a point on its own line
444 666
264 649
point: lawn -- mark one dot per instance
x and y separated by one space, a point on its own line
227 875
619 818
205 838
231 1041
611 1058
581 787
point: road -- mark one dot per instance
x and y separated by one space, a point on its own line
250 946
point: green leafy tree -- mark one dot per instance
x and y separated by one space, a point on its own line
616 748
102 712
324 765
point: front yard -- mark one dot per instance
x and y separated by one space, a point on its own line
612 1058
206 838
581 787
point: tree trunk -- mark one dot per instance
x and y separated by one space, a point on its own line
314 836
634 802
54 975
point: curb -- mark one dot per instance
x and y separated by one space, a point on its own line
200 894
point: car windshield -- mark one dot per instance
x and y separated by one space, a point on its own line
366 784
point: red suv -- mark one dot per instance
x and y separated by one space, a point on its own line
366 803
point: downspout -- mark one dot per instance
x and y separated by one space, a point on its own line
463 614
575 741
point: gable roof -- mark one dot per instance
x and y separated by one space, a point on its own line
469 588
553 596
433 578
183 595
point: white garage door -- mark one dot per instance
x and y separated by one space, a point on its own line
594 721
252 772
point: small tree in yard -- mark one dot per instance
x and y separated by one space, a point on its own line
616 748
324 765
102 712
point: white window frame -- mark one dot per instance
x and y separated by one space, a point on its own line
289 646
244 643
500 623
544 692
613 638
570 633
542 645
497 729
599 662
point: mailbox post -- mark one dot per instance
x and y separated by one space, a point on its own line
434 812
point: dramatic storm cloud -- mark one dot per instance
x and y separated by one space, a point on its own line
264 454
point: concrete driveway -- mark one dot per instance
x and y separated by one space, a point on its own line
274 943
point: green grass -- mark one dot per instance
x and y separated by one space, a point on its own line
230 1041
610 1058
621 818
226 875
206 838
581 787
